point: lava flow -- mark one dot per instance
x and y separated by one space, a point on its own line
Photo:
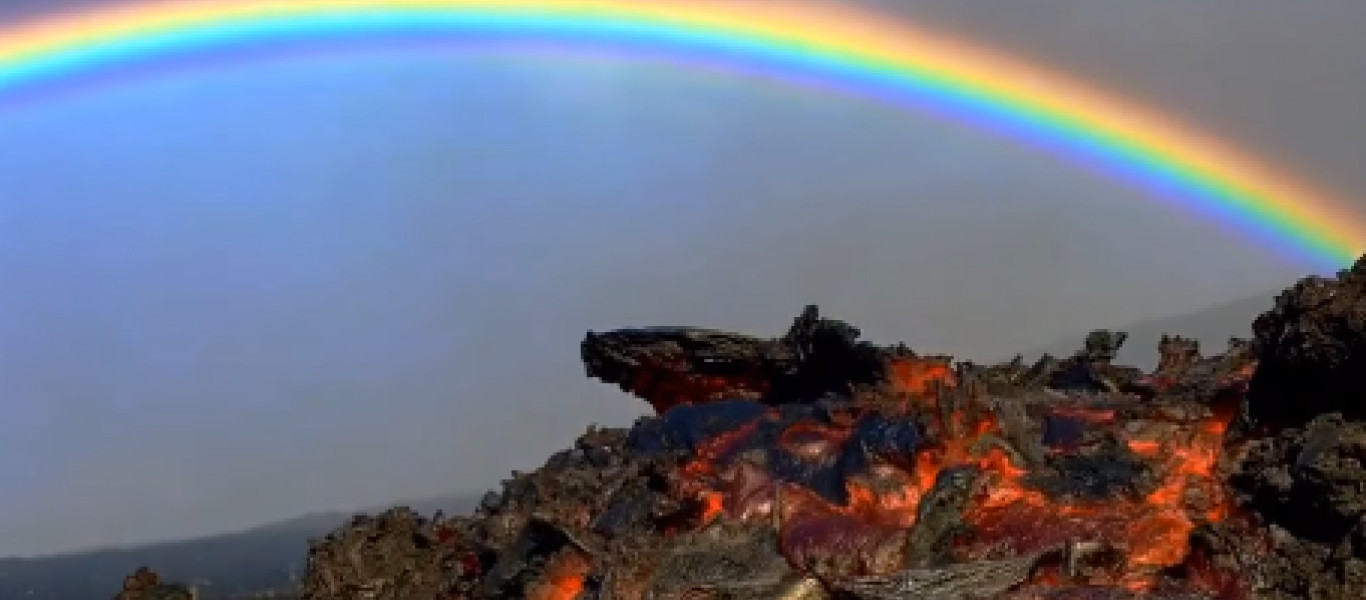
817 466
921 466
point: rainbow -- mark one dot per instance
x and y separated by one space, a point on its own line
802 42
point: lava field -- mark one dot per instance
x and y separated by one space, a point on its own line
818 466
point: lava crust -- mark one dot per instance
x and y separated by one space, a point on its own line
818 466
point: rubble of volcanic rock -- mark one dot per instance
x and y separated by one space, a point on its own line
145 584
818 466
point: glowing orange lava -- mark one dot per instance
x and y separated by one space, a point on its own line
564 580
1007 513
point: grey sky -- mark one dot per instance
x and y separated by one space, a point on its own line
237 296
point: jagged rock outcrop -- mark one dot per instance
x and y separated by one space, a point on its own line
1312 347
396 554
145 584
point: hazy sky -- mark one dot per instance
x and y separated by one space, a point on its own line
235 296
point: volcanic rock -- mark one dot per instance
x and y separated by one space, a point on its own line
1312 351
397 554
145 584
815 465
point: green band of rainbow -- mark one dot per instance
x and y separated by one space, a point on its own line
799 41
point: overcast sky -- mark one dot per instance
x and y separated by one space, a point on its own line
235 296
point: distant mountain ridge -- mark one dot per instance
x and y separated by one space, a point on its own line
233 565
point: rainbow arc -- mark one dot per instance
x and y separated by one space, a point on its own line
830 45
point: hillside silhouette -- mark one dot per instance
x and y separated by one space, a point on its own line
243 564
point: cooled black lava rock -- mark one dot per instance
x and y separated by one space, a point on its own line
761 429
1311 348
1309 480
144 584
1107 474
684 428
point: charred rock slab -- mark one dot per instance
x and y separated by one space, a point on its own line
984 579
673 365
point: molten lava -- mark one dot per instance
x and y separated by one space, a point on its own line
564 578
817 466
1126 479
